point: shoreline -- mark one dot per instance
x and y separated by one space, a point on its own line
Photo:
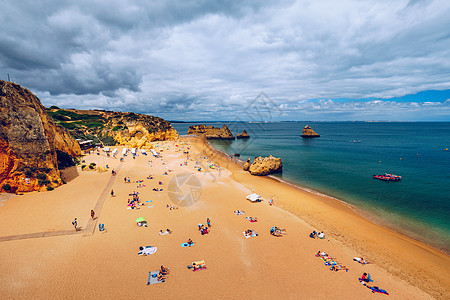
348 225
269 265
364 214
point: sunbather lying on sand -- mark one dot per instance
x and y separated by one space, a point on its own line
361 260
338 268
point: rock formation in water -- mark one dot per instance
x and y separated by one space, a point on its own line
243 135
308 132
247 165
114 128
32 147
211 132
264 165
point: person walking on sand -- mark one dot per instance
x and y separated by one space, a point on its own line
75 224
92 214
208 221
112 193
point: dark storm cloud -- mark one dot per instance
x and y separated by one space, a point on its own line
209 58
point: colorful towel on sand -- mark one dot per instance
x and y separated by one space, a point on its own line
153 278
249 235
253 220
186 245
164 233
239 212
376 289
148 250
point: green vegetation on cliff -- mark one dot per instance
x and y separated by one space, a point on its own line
105 126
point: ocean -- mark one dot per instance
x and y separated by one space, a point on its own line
341 163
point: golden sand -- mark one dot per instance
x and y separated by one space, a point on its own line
106 264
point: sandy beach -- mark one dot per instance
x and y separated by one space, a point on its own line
93 264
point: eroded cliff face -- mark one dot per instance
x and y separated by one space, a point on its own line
211 132
114 128
138 136
28 142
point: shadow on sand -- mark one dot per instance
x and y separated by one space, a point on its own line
69 174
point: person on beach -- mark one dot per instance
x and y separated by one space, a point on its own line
200 226
112 193
208 221
92 214
364 277
271 202
190 242
75 224
164 271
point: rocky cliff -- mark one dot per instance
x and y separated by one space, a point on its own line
29 142
211 132
114 128
243 135
264 165
308 132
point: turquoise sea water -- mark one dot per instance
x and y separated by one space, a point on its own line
336 165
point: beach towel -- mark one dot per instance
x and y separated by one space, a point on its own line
249 235
186 245
376 289
251 219
153 277
200 263
148 250
164 233
150 206
239 213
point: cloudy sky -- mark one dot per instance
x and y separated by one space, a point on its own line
222 60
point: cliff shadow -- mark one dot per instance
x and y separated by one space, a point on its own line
69 174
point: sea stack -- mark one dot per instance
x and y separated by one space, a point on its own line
264 166
308 132
211 132
243 135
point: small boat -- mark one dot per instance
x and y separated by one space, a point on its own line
356 141
388 177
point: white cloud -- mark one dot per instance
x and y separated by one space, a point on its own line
204 58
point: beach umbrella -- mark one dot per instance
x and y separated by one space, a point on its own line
140 219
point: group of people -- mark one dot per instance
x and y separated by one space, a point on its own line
168 231
330 261
204 229
315 234
171 207
277 231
